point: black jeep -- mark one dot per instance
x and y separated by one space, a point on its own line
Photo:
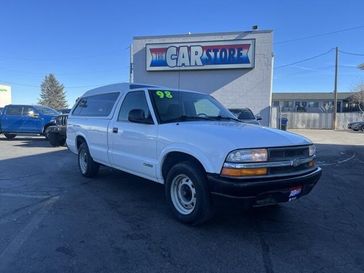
57 133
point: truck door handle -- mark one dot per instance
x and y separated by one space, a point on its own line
115 130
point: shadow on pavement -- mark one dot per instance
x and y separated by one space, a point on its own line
28 141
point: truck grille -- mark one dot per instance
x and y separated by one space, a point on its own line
61 120
289 154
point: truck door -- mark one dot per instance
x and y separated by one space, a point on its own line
133 136
32 121
12 121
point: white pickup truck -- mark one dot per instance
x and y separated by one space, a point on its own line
192 144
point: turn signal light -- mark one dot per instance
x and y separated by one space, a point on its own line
243 172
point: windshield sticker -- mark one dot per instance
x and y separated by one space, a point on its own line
164 94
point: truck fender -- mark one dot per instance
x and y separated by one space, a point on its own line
187 149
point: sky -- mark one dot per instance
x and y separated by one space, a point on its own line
86 43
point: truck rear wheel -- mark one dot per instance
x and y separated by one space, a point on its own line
187 193
10 136
87 166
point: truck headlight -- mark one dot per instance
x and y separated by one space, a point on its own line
311 150
247 155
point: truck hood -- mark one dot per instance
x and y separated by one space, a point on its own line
235 135
48 118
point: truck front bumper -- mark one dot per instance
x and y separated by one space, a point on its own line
263 191
56 129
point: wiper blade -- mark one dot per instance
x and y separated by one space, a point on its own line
187 118
225 118
194 118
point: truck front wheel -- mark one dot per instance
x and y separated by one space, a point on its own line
55 139
187 193
10 136
87 166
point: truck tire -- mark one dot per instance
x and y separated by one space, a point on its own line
88 167
62 141
9 136
187 193
54 139
47 132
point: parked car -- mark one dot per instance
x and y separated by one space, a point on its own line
57 132
246 115
192 144
356 126
26 119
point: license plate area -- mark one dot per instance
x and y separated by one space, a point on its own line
294 193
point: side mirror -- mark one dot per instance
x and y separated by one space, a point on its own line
138 116
33 114
258 117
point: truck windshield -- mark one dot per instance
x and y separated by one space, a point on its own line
175 106
47 111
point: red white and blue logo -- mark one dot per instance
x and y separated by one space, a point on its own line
201 55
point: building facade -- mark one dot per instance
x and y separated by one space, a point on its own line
234 67
5 95
318 102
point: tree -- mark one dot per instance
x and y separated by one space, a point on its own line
358 97
52 93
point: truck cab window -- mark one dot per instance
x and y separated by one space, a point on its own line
96 106
14 110
132 101
28 111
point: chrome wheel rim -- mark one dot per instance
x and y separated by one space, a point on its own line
83 161
183 194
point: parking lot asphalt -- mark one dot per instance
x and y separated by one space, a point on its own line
54 220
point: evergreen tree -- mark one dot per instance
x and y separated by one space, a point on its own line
52 93
358 97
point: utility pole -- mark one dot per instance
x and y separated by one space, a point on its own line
131 64
335 89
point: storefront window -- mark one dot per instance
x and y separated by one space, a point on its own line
313 104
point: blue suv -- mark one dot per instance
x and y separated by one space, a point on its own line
26 119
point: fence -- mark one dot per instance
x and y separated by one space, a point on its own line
314 120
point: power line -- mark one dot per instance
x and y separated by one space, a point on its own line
305 60
351 53
319 35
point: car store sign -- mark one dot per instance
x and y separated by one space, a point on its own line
201 55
